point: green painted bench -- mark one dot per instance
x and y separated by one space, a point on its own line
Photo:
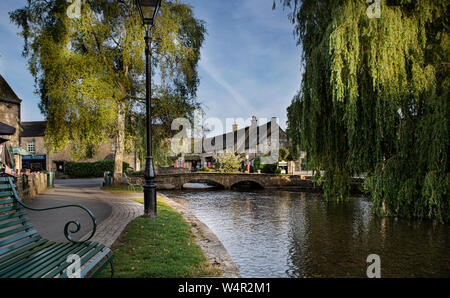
25 254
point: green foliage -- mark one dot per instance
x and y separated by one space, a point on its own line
228 163
284 154
269 168
90 71
90 169
256 164
374 99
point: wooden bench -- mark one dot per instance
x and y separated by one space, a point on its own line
25 254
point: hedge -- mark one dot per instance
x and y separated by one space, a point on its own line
90 169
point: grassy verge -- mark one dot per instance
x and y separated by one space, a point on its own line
159 248
122 189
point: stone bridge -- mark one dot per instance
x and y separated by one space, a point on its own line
230 180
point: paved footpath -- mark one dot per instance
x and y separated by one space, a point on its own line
113 212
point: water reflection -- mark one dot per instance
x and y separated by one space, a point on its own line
293 234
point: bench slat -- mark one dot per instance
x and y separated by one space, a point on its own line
19 245
12 215
55 261
97 260
4 194
22 252
6 201
34 260
63 266
15 231
7 186
22 257
17 238
10 208
14 222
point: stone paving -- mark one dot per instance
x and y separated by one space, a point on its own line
123 212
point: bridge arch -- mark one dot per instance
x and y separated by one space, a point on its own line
207 181
247 183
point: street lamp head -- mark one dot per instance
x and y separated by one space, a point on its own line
148 9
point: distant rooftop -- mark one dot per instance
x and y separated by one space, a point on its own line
33 129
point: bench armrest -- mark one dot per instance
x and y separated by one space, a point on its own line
67 230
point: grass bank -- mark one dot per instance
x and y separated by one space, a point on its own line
122 189
159 248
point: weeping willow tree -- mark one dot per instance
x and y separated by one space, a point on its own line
89 68
374 99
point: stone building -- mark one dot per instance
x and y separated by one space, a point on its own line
252 141
9 111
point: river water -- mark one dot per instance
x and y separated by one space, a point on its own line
297 234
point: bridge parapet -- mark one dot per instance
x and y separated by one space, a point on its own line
228 180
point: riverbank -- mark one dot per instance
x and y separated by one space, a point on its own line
211 246
160 248
209 243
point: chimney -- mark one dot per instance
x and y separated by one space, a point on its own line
254 121
235 127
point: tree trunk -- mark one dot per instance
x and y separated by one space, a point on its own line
120 144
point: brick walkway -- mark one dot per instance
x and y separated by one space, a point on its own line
123 212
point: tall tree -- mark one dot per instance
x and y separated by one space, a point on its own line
375 99
89 69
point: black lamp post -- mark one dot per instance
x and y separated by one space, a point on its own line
148 9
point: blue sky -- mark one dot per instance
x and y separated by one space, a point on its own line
250 63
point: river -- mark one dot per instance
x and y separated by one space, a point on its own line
297 234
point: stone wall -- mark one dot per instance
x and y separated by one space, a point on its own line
29 186
10 114
171 171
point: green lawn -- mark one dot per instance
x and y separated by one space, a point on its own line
122 189
159 248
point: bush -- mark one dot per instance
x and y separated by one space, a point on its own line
269 168
90 169
228 163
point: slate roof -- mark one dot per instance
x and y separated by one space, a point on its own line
33 129
6 129
6 92
244 133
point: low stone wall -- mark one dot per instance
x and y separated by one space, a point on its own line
29 186
171 171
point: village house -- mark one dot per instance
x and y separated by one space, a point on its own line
251 141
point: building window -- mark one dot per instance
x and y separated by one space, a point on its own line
31 147
113 146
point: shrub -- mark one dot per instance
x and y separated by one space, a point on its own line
228 163
90 169
269 168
